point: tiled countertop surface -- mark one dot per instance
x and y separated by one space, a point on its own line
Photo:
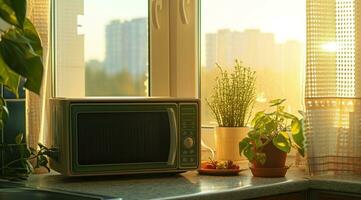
190 185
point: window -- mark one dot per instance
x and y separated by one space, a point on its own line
101 48
266 35
125 48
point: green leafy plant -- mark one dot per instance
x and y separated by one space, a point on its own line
233 96
21 167
21 56
281 128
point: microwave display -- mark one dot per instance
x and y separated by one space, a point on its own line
123 137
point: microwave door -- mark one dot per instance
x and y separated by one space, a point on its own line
126 139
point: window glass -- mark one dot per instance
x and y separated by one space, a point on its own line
266 35
101 48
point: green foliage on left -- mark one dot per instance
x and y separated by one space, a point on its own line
20 48
21 56
21 167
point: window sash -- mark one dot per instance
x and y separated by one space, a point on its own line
174 48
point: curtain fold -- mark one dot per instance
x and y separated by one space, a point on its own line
333 86
39 13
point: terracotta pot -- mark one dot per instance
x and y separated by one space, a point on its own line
269 172
275 158
227 142
274 165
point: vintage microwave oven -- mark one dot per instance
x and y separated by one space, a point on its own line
99 136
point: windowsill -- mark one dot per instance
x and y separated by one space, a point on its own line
190 185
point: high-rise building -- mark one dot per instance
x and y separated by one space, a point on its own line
211 49
224 51
251 46
127 47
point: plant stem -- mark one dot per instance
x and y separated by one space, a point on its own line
19 159
11 145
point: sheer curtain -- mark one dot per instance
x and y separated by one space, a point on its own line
36 119
333 89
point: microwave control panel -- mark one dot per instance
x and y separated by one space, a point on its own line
189 136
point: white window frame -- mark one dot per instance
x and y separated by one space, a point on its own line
174 48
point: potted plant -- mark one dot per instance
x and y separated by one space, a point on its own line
21 58
272 136
231 104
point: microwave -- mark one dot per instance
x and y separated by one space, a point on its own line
103 136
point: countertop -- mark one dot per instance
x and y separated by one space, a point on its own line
190 185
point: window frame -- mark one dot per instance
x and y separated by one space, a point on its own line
174 49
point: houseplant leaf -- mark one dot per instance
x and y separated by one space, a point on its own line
257 117
33 37
243 144
253 134
276 102
248 152
19 6
7 13
297 135
281 141
4 113
22 59
24 152
288 115
19 138
270 125
9 78
258 143
261 158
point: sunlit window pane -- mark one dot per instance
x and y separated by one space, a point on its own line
266 35
101 48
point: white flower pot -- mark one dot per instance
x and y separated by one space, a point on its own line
227 142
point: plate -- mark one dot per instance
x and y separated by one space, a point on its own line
219 172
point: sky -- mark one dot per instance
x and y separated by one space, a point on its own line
285 18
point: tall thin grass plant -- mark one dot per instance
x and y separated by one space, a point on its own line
234 95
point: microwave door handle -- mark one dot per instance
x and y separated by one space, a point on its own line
173 137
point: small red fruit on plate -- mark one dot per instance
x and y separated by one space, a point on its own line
210 166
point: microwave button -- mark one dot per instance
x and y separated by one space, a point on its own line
188 142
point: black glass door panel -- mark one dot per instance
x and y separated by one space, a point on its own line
123 137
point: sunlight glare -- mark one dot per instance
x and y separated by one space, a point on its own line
330 47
